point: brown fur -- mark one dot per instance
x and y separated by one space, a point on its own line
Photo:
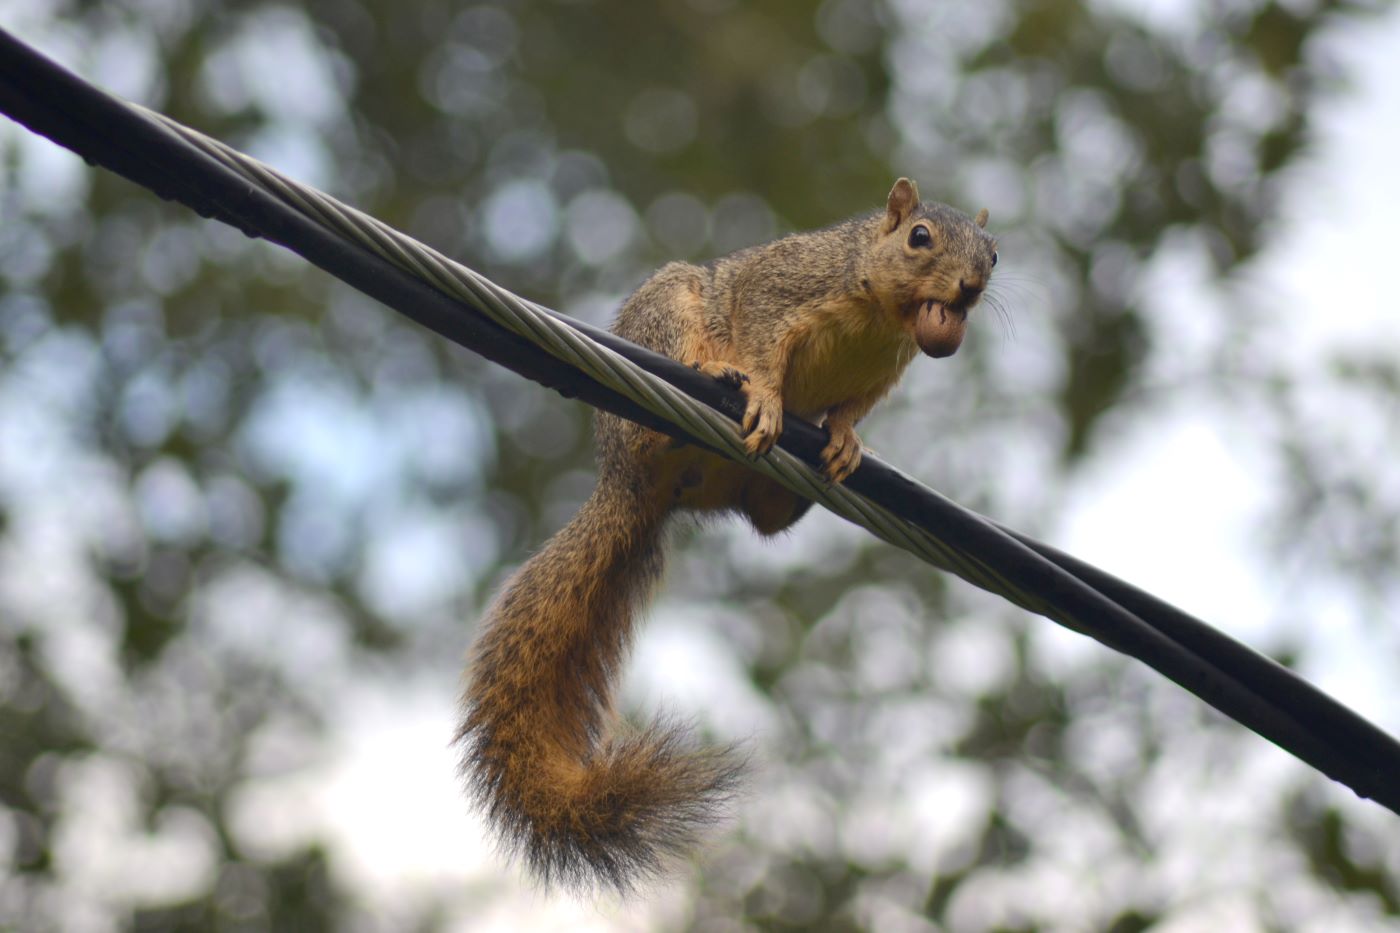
819 323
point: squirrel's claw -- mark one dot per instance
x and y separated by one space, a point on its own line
842 454
722 373
763 422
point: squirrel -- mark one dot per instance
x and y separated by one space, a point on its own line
820 323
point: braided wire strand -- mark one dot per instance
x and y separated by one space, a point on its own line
530 321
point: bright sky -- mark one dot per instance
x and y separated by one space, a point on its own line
1328 277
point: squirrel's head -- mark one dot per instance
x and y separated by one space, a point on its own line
931 265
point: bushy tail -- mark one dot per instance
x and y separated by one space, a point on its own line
586 801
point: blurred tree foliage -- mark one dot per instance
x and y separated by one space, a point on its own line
231 488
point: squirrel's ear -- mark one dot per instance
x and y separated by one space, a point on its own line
982 216
904 197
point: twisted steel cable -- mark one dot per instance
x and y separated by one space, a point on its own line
215 180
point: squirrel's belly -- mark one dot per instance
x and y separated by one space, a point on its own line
837 365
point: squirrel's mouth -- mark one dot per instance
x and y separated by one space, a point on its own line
939 328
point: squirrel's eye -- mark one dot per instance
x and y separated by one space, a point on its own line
994 258
920 236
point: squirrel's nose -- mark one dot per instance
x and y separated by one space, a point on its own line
968 294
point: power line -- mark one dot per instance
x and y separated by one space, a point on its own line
182 165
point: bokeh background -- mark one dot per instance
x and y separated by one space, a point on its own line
248 518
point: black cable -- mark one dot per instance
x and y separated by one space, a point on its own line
1239 682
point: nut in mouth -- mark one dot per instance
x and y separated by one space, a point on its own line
939 328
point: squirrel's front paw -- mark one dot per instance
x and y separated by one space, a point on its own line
842 454
722 373
763 422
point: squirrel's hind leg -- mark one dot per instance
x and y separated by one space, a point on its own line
769 506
